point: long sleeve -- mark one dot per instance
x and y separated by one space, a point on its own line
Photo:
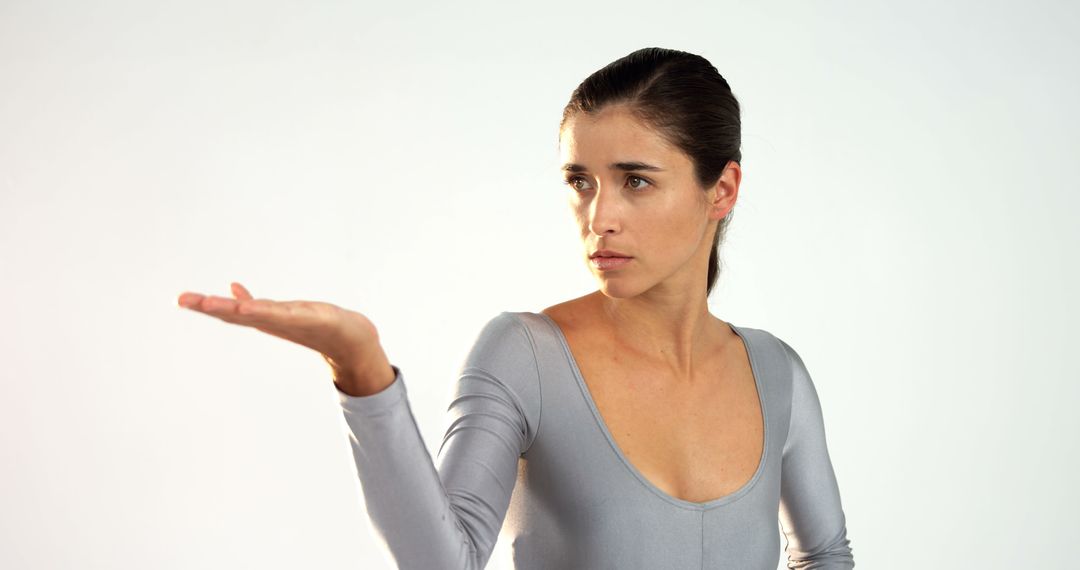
810 511
449 517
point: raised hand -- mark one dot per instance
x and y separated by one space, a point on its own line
346 339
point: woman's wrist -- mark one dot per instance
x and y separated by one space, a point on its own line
371 377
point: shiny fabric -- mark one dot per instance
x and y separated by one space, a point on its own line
526 453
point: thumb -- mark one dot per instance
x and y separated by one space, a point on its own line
240 292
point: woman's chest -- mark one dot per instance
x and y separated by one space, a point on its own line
696 440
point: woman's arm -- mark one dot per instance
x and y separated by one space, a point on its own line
429 519
450 517
810 510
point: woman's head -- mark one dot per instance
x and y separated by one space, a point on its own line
666 109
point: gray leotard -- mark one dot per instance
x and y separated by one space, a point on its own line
526 443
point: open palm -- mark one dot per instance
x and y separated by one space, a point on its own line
346 339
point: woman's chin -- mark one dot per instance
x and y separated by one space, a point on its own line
610 286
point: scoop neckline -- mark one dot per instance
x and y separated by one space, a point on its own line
706 505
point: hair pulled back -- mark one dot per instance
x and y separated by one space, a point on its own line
686 100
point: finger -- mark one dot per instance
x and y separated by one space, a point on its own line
260 308
189 300
205 303
221 307
218 306
279 318
264 314
240 292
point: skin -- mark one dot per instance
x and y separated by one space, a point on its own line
664 220
673 383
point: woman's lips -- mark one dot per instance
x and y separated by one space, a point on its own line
608 263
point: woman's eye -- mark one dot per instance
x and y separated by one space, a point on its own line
629 178
635 182
572 182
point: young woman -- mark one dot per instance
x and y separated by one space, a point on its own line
628 428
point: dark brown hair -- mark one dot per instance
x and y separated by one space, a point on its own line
686 100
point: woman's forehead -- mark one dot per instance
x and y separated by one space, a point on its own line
593 142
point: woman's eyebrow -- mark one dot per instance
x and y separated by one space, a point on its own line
626 166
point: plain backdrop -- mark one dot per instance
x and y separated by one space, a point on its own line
906 221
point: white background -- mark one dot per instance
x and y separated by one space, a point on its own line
907 221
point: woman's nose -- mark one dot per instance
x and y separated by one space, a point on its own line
604 212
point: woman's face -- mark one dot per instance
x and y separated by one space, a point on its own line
632 192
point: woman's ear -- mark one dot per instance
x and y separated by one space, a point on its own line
723 194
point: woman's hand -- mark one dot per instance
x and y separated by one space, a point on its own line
346 339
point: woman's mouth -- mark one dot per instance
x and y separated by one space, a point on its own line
609 263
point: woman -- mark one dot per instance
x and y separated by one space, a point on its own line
628 428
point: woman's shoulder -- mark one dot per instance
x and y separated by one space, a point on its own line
776 357
565 316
